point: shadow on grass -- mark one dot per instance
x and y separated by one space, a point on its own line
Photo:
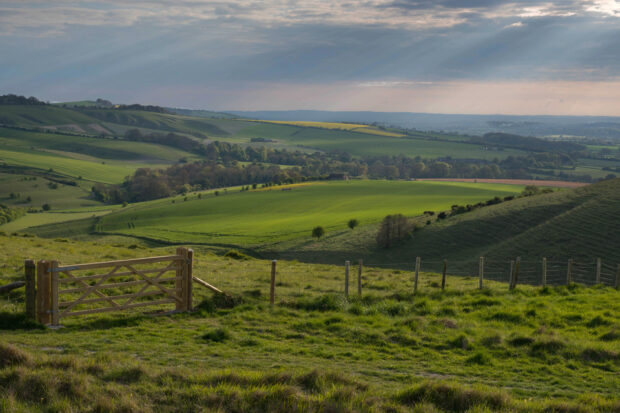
17 321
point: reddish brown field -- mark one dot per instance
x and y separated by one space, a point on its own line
556 184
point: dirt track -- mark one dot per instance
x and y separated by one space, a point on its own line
556 184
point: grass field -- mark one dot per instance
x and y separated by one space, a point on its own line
102 149
460 350
571 223
266 217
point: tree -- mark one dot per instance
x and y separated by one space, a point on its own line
46 207
353 223
394 229
318 232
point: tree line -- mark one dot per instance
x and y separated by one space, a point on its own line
223 167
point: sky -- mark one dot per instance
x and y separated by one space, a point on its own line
437 56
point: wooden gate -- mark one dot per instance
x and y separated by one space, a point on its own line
122 285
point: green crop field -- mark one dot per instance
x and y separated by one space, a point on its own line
458 350
265 217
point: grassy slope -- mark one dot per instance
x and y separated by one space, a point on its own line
534 350
580 224
94 147
40 192
268 216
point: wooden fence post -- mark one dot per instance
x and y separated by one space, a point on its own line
190 276
30 271
598 270
618 278
417 274
43 292
347 264
181 280
480 272
569 272
512 274
359 278
54 292
544 271
515 277
443 275
272 290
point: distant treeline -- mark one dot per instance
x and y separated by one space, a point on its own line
147 108
19 100
526 143
222 169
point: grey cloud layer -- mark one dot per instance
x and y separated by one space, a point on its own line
367 42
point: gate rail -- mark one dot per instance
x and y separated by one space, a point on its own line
92 289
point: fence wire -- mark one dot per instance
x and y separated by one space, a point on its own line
295 280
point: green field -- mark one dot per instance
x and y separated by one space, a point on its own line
460 350
257 218
577 223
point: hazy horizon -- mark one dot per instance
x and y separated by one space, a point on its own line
484 57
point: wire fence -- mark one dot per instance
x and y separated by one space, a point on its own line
294 280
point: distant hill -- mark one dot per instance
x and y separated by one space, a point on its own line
203 113
581 126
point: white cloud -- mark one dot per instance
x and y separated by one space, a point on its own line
608 7
514 25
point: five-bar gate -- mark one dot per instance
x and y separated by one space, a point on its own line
73 290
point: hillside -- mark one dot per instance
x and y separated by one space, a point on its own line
258 219
578 223
460 350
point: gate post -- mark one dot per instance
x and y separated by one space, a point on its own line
190 265
181 280
54 292
43 292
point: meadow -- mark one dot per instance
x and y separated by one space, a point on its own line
458 350
268 216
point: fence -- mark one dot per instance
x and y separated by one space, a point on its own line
60 292
541 272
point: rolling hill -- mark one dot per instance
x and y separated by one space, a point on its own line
581 224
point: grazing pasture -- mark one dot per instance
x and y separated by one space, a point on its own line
462 349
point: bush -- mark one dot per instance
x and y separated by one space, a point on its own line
318 232
353 223
46 207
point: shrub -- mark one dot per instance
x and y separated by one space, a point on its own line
353 223
46 207
318 232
